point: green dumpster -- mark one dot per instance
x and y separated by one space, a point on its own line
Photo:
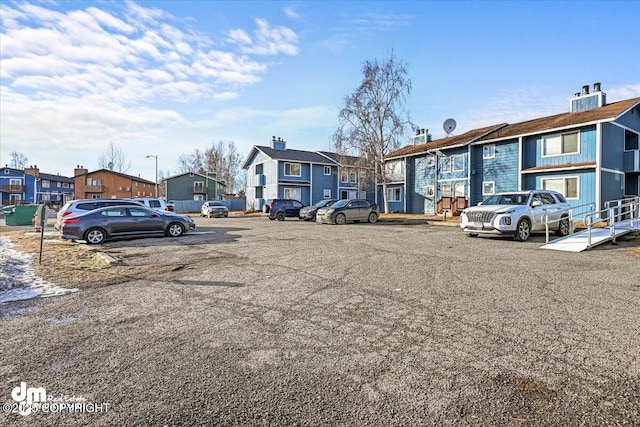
19 215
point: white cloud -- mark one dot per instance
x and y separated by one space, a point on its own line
291 12
86 76
266 40
618 93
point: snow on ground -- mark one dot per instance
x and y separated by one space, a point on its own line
18 280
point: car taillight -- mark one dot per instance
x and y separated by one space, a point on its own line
65 213
70 220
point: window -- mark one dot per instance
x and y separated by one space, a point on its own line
458 189
327 193
258 192
353 177
58 184
630 140
458 163
114 212
327 170
445 164
394 194
96 196
259 169
344 176
198 197
488 187
15 197
138 212
489 151
558 145
292 193
13 181
445 190
65 185
198 185
292 169
45 197
566 185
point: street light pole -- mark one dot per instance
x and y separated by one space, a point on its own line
155 156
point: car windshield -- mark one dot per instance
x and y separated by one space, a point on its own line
340 203
506 199
323 203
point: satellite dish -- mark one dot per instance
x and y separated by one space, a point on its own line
449 126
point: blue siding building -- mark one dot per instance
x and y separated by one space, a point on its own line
591 154
16 187
308 176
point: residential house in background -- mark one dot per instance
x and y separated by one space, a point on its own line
308 176
590 154
194 186
53 189
107 184
17 187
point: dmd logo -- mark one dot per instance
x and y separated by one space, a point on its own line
26 397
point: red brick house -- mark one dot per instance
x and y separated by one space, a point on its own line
107 184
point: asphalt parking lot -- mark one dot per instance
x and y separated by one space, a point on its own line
291 323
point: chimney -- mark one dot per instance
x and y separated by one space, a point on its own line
80 170
33 171
278 144
585 90
596 87
584 101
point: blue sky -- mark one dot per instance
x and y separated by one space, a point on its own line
167 77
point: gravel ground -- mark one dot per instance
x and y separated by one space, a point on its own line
291 323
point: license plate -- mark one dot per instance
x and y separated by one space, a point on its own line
477 225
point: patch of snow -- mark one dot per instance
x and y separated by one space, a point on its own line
18 280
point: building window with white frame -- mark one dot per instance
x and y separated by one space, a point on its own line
559 145
46 183
445 190
568 186
292 169
445 164
394 194
327 193
327 170
293 193
488 188
353 177
344 176
489 151
458 163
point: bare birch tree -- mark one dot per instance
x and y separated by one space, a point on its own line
222 158
17 160
374 118
114 159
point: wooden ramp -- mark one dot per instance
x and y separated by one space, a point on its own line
579 242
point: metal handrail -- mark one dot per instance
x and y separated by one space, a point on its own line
545 218
633 210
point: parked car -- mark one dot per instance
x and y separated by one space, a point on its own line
282 208
518 214
78 206
214 209
171 205
97 226
308 213
155 203
349 210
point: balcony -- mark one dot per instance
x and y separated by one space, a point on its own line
260 180
13 188
94 188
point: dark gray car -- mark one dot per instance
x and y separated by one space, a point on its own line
100 225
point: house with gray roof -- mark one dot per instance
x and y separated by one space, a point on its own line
591 154
276 171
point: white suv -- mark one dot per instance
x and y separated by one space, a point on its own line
155 203
518 214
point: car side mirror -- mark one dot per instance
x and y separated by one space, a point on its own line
536 203
479 203
154 215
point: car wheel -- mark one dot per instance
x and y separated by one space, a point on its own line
313 218
472 235
523 230
373 217
563 227
271 218
341 219
95 236
226 215
175 229
280 216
